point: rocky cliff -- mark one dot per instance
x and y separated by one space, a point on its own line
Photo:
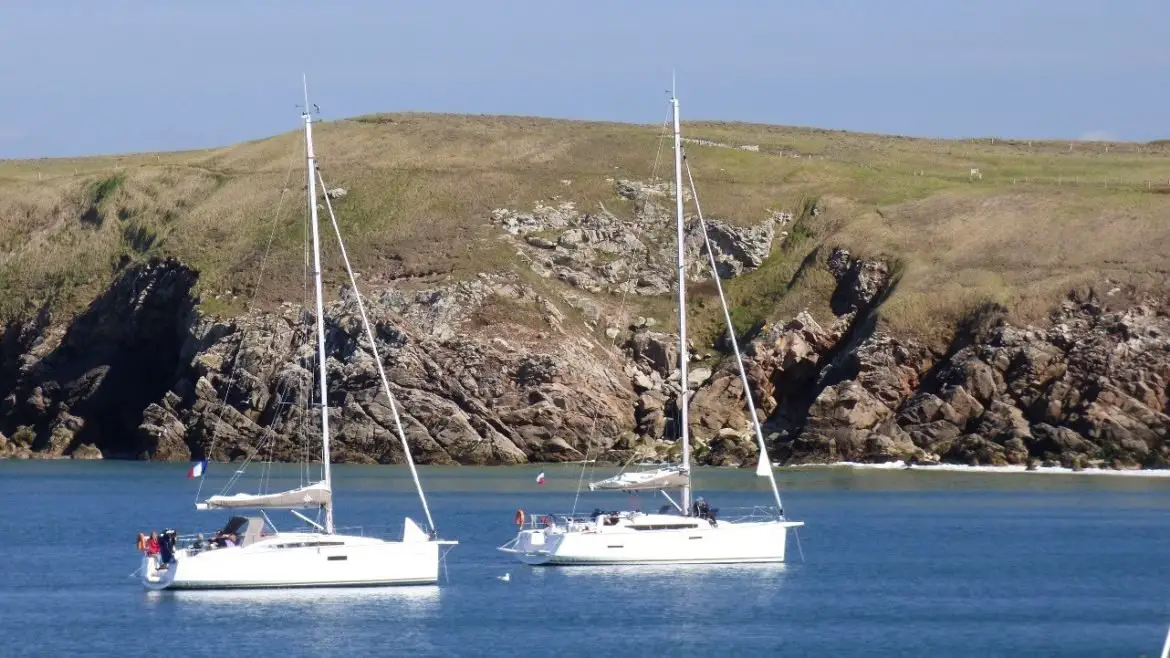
496 370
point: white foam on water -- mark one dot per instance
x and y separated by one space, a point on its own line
963 468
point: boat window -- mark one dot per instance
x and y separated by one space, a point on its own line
665 526
310 544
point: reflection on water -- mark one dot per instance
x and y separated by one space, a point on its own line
413 599
677 573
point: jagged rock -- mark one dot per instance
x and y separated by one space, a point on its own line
86 451
980 380
643 382
142 374
739 249
1060 444
162 436
717 406
964 406
477 400
90 381
849 405
596 251
860 281
1094 385
1003 421
925 408
572 238
537 241
1016 451
975 450
732 448
696 376
657 350
650 413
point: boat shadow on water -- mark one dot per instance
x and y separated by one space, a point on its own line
417 599
692 573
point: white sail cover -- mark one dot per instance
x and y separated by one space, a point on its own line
313 495
669 477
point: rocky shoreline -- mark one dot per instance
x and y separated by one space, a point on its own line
493 371
985 470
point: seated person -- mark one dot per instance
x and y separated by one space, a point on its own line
152 547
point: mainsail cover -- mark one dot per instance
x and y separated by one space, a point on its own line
670 477
313 495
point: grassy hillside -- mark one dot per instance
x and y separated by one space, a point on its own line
1044 217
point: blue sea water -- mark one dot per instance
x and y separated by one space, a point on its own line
905 563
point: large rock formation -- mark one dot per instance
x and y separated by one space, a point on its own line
162 382
490 371
599 251
462 399
65 387
1091 390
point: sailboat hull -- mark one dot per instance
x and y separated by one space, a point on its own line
725 543
300 560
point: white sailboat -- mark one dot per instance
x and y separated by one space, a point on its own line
690 533
259 555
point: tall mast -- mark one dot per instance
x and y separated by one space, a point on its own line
682 309
311 172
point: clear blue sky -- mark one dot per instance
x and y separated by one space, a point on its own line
101 76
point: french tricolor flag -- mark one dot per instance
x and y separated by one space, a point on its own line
540 478
197 469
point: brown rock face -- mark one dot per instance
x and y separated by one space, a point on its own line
90 382
1090 390
460 399
141 374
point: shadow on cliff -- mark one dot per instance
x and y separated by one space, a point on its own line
841 360
974 327
795 394
117 356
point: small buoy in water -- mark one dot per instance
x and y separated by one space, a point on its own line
506 577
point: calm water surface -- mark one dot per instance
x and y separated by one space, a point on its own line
897 563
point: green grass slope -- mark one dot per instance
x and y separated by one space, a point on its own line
1043 218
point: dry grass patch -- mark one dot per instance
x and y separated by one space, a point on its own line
421 188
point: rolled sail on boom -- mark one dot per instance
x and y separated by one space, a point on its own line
671 477
313 495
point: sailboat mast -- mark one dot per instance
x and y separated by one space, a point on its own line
311 169
684 421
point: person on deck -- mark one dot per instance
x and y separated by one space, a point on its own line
152 546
